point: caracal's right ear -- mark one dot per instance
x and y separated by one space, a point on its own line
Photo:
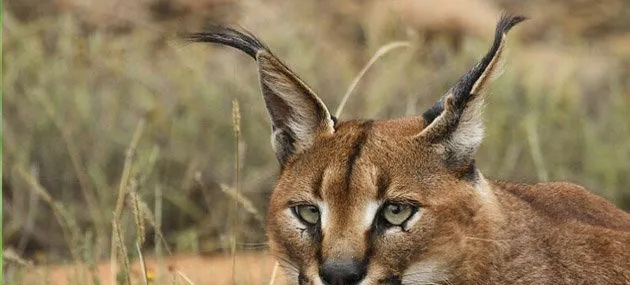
454 123
298 116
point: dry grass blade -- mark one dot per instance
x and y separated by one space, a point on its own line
247 204
122 249
157 222
146 213
117 240
273 273
535 148
87 190
8 254
138 216
70 229
188 281
143 266
236 122
379 53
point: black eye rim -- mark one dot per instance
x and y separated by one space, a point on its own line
415 207
294 210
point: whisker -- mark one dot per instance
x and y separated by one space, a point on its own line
419 277
286 263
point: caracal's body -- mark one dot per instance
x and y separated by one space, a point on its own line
401 201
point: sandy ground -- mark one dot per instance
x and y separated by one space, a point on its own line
251 268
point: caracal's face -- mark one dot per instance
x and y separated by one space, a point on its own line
373 202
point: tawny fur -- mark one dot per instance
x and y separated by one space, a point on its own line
549 233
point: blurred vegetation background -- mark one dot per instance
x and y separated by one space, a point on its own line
81 76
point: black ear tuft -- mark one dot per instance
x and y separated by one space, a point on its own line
243 41
433 112
507 22
455 121
463 91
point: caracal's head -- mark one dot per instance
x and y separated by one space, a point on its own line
374 202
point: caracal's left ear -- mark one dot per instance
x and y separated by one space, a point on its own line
454 123
297 114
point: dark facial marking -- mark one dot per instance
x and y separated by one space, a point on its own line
355 151
370 238
317 185
382 183
302 279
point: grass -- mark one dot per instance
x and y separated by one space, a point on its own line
74 100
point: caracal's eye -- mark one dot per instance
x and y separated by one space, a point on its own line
397 214
309 214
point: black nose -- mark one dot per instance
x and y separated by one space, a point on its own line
342 272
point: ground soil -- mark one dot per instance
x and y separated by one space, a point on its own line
251 268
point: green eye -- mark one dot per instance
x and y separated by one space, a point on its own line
307 213
396 214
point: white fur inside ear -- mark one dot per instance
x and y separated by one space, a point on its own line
302 129
274 142
468 135
292 105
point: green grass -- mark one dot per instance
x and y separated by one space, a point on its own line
72 101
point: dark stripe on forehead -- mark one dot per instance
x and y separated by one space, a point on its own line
382 184
355 151
317 185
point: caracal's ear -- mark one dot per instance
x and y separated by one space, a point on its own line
297 114
454 123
